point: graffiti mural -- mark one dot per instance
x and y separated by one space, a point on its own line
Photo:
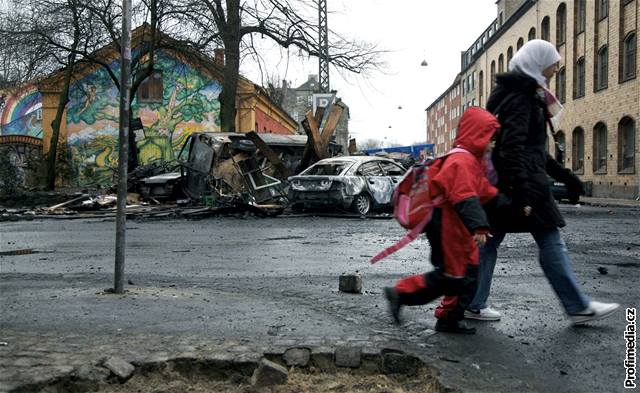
189 104
21 112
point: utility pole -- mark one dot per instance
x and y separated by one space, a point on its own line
123 135
323 40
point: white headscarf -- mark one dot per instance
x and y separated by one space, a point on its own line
533 58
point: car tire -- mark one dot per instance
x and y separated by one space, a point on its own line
361 204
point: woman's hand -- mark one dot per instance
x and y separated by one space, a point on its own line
527 211
481 238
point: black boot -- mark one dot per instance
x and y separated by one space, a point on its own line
448 326
394 303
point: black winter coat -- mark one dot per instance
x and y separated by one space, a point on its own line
520 156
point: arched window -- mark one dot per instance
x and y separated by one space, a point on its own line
561 85
579 16
500 63
600 148
561 24
532 34
509 56
602 9
519 44
602 69
493 73
561 147
578 78
577 150
626 145
545 29
480 87
629 57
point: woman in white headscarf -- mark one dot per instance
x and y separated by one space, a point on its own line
524 106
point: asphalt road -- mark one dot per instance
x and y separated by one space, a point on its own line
278 278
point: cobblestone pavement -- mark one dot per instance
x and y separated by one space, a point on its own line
246 285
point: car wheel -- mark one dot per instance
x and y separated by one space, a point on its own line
361 204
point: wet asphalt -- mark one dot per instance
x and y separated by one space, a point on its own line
277 278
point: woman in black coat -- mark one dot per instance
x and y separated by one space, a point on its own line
525 106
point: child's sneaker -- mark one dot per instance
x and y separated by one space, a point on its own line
458 327
484 314
394 303
595 310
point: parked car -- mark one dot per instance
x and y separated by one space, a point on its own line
558 190
359 183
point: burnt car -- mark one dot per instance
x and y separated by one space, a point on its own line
359 183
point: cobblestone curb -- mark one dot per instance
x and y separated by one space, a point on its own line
239 367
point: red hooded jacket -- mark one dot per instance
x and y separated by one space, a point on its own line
461 178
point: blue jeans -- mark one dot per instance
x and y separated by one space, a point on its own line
555 263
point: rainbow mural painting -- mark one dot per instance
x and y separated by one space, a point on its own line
22 113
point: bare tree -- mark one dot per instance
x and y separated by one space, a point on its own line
288 24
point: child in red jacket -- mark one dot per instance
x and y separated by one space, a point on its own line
455 228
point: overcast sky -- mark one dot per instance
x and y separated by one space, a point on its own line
412 31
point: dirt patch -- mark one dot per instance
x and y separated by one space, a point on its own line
308 381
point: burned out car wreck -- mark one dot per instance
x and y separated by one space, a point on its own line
216 167
359 183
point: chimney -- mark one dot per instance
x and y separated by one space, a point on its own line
218 56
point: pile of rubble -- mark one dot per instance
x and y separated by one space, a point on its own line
214 173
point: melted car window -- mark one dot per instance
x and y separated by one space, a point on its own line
370 169
392 169
332 169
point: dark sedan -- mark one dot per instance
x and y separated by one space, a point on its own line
359 183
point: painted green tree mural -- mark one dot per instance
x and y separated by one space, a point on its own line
187 97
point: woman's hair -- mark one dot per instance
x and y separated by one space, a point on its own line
533 58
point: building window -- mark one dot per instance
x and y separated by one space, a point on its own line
544 29
562 144
509 56
561 24
561 85
577 150
500 63
578 78
532 34
629 49
602 9
602 69
493 74
519 44
579 16
480 86
626 145
600 148
150 90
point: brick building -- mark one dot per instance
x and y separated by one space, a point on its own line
597 82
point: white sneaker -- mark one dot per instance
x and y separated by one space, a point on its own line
484 314
595 310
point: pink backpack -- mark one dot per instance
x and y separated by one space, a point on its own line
412 203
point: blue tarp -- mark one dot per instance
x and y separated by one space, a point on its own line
414 150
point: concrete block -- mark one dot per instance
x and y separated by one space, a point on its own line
269 373
298 357
119 367
350 283
348 357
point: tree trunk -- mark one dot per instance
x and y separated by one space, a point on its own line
56 123
231 38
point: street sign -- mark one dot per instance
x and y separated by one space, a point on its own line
323 101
